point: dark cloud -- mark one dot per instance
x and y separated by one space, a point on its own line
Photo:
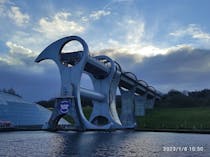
181 69
30 84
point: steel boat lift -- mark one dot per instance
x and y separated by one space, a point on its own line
106 75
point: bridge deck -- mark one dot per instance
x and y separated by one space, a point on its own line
100 70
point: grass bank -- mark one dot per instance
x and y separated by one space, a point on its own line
178 119
195 118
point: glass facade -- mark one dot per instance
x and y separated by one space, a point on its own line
22 113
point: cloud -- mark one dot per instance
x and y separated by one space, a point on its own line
96 15
113 2
19 58
183 68
3 1
18 49
19 71
193 31
129 30
135 30
31 85
18 54
128 41
131 33
133 37
122 1
3 9
17 16
59 25
134 41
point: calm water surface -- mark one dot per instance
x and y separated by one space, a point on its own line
100 144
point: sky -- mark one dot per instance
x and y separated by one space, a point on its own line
165 43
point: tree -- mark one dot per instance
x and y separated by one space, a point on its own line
10 91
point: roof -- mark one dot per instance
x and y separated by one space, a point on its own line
20 112
5 97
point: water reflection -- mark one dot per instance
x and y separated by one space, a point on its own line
99 144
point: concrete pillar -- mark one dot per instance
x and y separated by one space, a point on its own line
127 116
150 103
140 104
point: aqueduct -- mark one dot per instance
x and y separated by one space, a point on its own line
107 76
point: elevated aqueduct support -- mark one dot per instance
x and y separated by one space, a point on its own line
106 76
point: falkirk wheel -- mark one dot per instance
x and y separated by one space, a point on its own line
106 76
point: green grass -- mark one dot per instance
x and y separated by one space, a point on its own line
86 110
176 118
195 118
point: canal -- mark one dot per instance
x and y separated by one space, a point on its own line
102 144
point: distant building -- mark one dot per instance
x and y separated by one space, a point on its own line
20 113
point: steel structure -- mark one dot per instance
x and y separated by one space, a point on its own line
106 76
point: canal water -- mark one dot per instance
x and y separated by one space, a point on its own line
103 144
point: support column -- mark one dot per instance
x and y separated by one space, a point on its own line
140 104
150 103
127 116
